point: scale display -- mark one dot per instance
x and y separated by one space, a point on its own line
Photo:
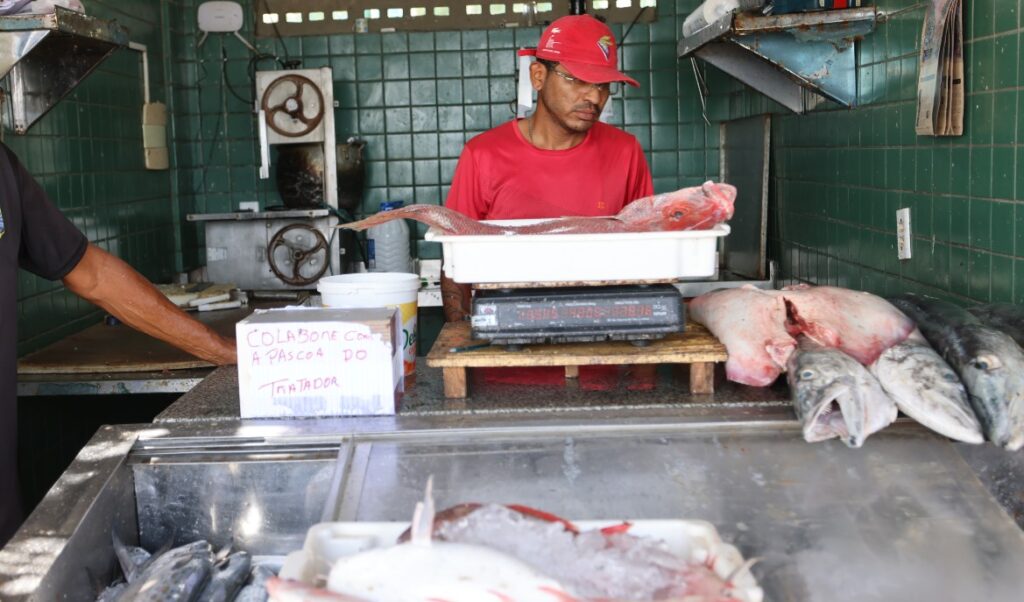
584 314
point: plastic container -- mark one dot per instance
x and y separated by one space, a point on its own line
379 290
695 541
389 244
707 13
562 259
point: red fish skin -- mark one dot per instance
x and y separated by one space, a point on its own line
695 208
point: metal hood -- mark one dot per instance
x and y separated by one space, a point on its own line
47 55
798 60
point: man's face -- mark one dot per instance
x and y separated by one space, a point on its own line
575 105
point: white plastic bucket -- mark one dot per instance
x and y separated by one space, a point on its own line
378 289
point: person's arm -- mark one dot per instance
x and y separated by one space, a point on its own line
115 286
466 197
455 299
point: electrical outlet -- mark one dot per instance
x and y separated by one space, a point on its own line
903 236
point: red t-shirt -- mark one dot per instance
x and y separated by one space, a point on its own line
502 176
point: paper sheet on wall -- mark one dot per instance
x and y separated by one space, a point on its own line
940 80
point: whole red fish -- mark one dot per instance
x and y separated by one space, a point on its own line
696 208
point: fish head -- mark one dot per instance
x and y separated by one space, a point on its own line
994 378
832 411
675 210
828 395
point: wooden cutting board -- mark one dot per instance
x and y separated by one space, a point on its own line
120 348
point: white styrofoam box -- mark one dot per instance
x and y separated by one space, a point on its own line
478 259
319 361
694 541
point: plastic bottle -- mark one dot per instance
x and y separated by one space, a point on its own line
389 243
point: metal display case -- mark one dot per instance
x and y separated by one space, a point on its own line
905 513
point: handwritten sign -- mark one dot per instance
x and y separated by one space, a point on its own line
319 362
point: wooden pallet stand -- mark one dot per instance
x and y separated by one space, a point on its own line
696 347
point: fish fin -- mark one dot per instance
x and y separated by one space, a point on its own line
124 559
423 516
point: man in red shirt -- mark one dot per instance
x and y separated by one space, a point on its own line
560 161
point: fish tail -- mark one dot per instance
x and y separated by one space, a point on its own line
381 218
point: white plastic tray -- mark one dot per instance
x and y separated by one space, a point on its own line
692 540
561 258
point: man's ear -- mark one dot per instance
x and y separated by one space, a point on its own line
538 74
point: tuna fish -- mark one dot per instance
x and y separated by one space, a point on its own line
835 396
1004 317
990 364
751 323
178 574
697 208
255 589
227 578
925 388
860 324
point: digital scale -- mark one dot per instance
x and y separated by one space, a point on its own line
635 313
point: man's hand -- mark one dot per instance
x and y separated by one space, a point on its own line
455 299
115 286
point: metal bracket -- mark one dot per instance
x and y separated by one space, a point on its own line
798 60
47 55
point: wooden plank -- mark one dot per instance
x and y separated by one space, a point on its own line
455 383
572 371
702 378
694 345
102 348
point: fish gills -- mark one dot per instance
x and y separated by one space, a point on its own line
989 362
927 389
835 396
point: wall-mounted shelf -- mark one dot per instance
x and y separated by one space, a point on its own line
797 59
48 55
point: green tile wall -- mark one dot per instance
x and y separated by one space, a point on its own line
87 154
840 175
415 98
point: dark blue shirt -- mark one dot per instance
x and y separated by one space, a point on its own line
36 236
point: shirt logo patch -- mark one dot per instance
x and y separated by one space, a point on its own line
605 44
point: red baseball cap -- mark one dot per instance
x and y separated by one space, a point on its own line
585 47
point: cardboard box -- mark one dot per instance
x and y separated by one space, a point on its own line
319 361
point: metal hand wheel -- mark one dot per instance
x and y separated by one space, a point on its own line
293 106
306 260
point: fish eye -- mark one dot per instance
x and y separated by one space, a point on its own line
677 215
806 374
987 363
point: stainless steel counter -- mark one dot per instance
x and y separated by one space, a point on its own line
904 517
